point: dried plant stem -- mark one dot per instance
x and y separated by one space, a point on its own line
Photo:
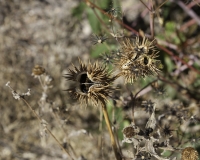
151 16
187 24
137 94
39 119
136 32
117 140
152 24
132 108
113 141
41 82
177 58
100 129
145 5
102 22
190 12
105 13
193 3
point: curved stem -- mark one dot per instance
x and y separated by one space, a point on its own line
118 156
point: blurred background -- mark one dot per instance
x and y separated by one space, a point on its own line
53 34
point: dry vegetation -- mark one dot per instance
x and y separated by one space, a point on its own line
52 34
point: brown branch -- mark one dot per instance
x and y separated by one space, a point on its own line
190 12
193 3
90 4
177 58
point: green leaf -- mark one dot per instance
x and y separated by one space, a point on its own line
197 82
171 33
169 65
170 30
119 118
93 20
166 153
145 81
78 11
170 26
98 50
104 4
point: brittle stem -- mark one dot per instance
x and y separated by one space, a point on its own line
118 156
47 129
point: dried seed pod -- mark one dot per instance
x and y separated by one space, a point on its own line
130 131
189 153
128 49
132 134
93 83
38 70
144 47
150 63
138 59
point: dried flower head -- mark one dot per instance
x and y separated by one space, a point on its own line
160 91
138 59
38 70
143 156
194 120
98 39
131 71
107 58
116 53
151 63
133 50
93 83
128 49
130 131
148 105
144 47
167 131
189 153
114 12
132 134
194 139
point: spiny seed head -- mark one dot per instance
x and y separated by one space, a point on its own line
38 70
132 70
138 59
128 49
93 83
189 153
144 46
151 62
